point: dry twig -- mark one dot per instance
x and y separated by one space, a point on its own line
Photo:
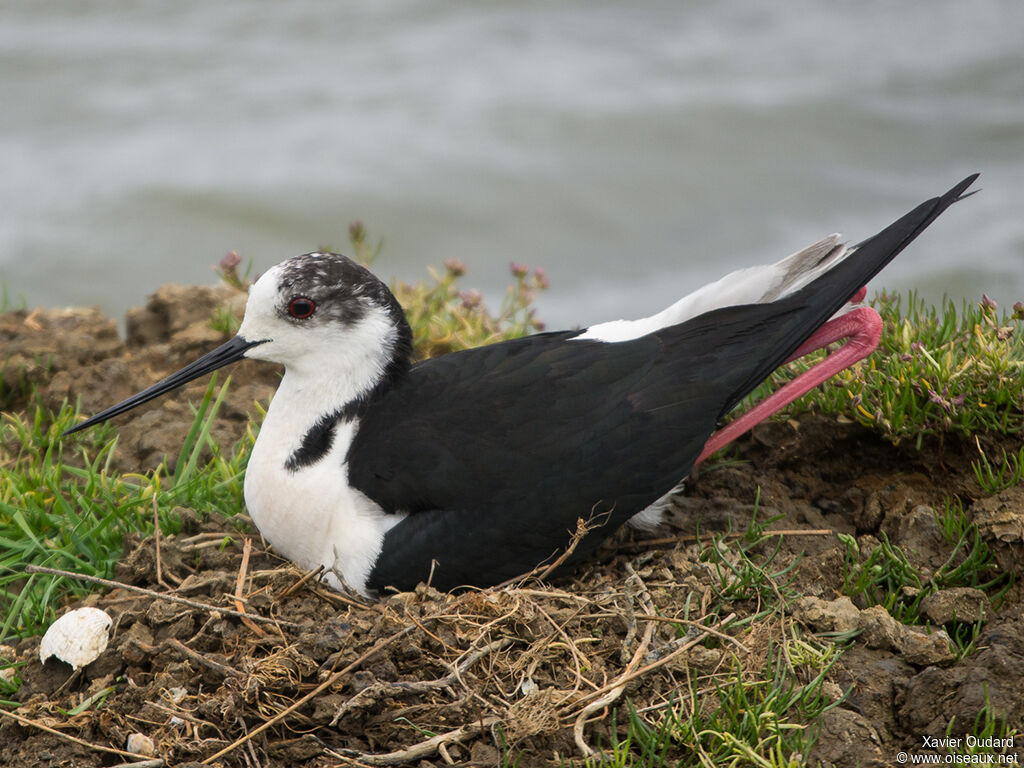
305 577
156 544
240 582
67 736
421 750
663 660
577 537
372 693
615 690
111 584
199 658
542 571
666 541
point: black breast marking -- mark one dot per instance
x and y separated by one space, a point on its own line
317 442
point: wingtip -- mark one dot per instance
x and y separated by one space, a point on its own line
959 192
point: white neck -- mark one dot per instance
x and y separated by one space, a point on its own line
309 513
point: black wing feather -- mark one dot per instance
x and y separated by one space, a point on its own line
497 451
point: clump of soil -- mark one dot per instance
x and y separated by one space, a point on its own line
235 658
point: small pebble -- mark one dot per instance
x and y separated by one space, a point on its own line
141 744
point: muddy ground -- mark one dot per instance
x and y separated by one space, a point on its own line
534 672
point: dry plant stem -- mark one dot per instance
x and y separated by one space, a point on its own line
442 750
373 692
577 537
151 763
377 648
53 731
159 595
421 750
663 660
240 582
156 542
159 560
218 542
332 680
541 572
427 632
338 599
550 593
573 649
222 669
75 676
698 625
176 645
617 688
185 715
192 540
305 578
692 539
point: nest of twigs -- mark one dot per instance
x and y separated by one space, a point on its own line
224 655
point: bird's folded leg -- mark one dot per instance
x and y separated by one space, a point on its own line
862 327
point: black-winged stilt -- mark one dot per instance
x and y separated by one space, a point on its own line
474 467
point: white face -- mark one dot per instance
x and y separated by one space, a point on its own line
263 321
344 331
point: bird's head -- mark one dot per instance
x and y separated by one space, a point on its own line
321 315
312 310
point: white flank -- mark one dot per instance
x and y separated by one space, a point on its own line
651 517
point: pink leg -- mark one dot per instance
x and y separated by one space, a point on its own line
863 328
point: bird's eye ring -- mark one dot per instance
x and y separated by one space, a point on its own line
301 307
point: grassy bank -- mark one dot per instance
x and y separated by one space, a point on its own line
947 372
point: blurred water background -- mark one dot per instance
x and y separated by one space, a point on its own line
634 149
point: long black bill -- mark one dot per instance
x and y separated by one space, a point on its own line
228 352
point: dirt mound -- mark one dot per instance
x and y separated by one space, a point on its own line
230 656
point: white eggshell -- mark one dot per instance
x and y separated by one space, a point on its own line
78 637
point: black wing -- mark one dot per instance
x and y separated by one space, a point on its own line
495 452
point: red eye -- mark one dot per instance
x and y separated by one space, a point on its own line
301 307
